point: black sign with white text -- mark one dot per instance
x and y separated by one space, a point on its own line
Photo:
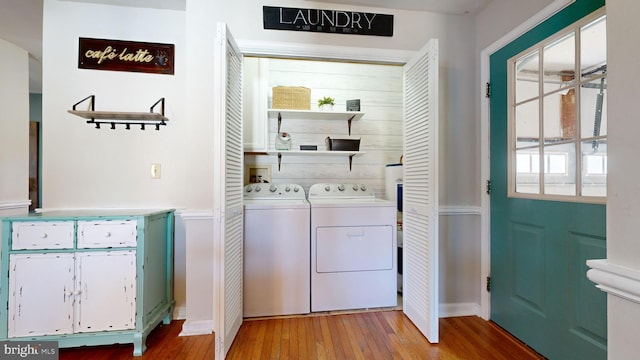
327 21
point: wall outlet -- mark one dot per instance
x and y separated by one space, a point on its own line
156 171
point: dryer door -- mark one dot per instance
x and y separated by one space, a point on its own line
354 248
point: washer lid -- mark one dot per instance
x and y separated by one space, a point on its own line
275 204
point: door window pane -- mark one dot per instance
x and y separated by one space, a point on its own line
594 168
527 124
559 169
528 175
559 63
558 125
593 48
527 70
593 114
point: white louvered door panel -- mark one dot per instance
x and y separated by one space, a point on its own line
228 160
420 193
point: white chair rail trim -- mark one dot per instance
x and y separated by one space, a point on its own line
459 210
15 205
195 214
615 279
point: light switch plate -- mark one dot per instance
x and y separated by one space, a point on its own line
156 171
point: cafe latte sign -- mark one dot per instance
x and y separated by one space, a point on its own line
117 55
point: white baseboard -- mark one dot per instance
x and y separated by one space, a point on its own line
197 327
180 313
459 309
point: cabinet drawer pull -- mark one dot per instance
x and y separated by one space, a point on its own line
107 234
43 235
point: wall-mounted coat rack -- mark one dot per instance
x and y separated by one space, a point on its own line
127 119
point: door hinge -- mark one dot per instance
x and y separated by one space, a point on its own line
488 283
488 187
487 90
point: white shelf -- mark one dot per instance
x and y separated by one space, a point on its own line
279 153
349 116
317 115
315 152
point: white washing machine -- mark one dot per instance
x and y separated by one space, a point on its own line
353 248
276 250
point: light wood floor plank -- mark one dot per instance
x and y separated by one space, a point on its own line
381 335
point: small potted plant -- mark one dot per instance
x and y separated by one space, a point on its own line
326 103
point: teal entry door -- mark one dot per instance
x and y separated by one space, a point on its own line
548 184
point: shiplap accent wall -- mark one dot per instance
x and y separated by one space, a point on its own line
379 88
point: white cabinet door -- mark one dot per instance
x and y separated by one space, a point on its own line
255 102
106 287
41 294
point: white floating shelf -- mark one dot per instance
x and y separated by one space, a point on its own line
317 115
315 152
350 154
349 116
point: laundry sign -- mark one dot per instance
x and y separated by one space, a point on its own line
118 55
327 21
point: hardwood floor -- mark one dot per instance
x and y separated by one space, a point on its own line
379 335
162 343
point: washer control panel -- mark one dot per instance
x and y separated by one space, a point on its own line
273 191
340 190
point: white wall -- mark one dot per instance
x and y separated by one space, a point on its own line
623 207
85 167
502 16
14 129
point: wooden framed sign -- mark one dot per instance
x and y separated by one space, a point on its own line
118 55
328 21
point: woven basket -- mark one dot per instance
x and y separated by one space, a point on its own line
291 97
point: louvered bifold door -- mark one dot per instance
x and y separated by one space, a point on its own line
228 163
420 191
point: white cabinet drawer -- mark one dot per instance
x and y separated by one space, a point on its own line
42 235
107 233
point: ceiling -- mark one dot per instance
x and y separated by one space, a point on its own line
21 20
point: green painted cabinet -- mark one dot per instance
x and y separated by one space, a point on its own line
86 278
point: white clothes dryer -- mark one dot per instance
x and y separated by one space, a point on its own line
276 250
353 248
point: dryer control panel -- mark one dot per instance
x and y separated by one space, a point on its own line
340 190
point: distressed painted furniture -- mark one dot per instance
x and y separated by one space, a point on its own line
86 277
